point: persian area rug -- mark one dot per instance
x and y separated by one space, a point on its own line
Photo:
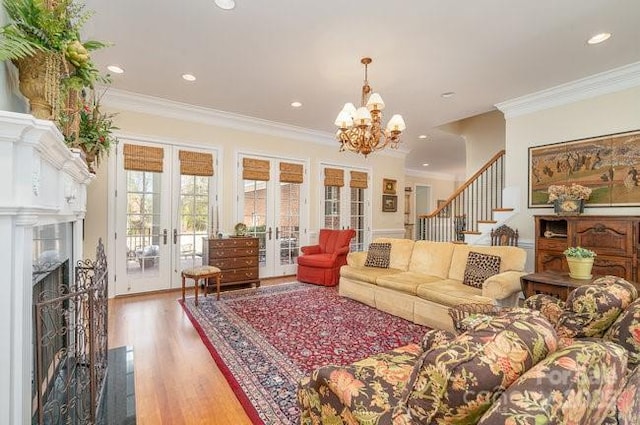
265 339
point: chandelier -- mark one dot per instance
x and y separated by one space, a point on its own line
360 130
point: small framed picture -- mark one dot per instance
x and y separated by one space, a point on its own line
389 203
445 213
389 186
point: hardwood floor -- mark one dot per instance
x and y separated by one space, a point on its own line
176 380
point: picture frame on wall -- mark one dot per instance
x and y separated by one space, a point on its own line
389 203
445 213
609 165
389 186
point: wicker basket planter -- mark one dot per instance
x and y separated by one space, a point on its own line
464 315
40 82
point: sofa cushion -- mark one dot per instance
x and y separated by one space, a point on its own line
578 384
400 252
364 392
456 381
479 268
406 282
591 309
432 258
378 255
450 293
366 274
626 332
550 307
511 258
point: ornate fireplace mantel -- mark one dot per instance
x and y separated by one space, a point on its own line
42 182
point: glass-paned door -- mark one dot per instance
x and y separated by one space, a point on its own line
193 215
161 219
347 207
357 219
272 211
146 218
255 216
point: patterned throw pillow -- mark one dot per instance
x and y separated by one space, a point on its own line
378 255
479 268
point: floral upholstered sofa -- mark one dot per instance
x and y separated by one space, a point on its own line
424 279
518 368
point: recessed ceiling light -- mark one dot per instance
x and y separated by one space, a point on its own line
599 38
115 69
422 136
188 77
448 94
425 164
296 104
225 4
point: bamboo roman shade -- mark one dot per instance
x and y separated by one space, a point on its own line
196 163
358 179
291 173
255 169
143 158
333 177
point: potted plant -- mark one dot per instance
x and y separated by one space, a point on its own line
43 41
580 262
568 200
95 134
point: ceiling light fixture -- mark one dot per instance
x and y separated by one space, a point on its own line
296 104
188 77
448 95
599 38
115 69
422 136
360 130
225 4
425 164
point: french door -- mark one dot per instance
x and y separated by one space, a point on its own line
163 211
272 195
346 203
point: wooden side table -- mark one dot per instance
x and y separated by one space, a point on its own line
556 284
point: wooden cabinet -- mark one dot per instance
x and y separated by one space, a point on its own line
613 238
237 258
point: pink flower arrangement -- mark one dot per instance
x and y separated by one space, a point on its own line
575 191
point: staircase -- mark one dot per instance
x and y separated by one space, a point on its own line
479 205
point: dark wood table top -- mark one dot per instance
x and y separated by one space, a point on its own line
562 279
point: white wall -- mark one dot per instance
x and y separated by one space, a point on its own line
606 114
230 142
484 136
8 100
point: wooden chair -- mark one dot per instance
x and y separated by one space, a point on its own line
504 235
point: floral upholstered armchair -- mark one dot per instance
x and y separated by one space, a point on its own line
504 370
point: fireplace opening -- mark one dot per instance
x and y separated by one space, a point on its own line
70 330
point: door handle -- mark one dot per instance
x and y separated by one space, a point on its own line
277 233
269 231
164 236
175 236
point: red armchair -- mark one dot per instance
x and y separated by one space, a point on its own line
320 264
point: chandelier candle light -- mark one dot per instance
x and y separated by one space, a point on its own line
360 130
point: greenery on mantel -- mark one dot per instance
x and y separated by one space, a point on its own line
42 37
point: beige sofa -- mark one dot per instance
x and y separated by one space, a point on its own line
424 280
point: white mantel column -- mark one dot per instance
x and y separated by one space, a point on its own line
43 182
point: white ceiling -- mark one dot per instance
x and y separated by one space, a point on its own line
258 58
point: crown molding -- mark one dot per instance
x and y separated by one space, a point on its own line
136 102
432 175
611 81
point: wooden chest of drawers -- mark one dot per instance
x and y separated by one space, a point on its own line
613 238
237 258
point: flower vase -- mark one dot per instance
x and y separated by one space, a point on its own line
568 206
580 268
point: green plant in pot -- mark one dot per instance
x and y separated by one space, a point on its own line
580 261
43 40
95 135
